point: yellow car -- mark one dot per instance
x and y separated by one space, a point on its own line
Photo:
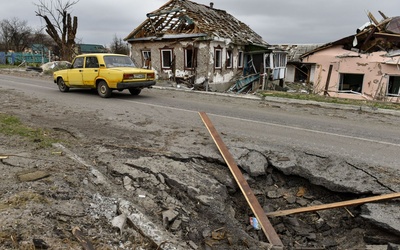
105 73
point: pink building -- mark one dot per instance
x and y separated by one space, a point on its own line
363 66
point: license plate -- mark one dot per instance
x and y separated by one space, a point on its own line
138 76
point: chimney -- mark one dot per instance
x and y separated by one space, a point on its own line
211 5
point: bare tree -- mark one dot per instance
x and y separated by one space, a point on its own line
118 46
15 34
59 24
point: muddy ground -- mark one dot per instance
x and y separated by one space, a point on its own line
112 192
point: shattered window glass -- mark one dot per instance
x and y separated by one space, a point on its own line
351 83
394 86
146 56
166 58
190 58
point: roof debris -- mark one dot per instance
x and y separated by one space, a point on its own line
183 18
371 37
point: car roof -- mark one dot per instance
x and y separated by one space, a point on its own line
100 54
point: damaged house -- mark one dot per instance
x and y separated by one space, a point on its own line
204 47
363 66
296 70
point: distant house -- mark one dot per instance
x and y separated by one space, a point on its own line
89 48
201 45
363 66
38 49
296 70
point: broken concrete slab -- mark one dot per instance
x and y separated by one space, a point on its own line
332 173
253 162
169 215
181 175
385 215
162 238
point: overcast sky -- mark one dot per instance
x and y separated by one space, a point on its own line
285 21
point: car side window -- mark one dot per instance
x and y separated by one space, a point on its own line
78 63
91 62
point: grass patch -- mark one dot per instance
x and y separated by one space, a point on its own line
327 99
12 126
21 199
7 66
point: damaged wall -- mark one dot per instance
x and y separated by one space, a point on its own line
204 72
348 74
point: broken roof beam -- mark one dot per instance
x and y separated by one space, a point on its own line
163 12
372 18
383 15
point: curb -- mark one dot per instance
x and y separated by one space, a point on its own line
362 108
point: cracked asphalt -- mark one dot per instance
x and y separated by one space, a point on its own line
175 180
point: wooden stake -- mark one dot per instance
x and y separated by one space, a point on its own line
266 226
333 205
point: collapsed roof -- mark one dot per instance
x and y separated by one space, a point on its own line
371 37
184 19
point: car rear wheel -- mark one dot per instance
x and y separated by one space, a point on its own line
61 85
135 91
103 90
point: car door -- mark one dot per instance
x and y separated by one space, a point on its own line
90 71
75 73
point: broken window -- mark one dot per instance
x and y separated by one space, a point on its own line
166 58
190 58
394 86
146 59
218 58
279 60
351 83
229 59
240 59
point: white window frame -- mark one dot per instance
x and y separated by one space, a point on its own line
146 54
163 66
240 59
229 58
349 89
217 58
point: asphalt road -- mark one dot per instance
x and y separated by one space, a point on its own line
373 138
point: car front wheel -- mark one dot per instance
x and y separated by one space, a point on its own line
61 85
103 90
135 91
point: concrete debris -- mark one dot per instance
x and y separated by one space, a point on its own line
254 163
119 222
163 239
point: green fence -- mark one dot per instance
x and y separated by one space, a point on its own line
19 57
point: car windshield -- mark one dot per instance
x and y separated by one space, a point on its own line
118 61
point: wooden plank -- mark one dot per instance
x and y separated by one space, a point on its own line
255 206
328 78
372 18
333 205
